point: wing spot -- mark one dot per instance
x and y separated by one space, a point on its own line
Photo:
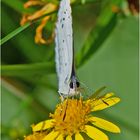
62 25
63 18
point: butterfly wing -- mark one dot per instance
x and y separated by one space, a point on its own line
64 46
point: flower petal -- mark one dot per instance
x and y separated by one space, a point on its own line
32 3
107 95
102 103
106 125
94 133
78 136
60 137
45 10
43 125
35 136
51 136
68 137
39 31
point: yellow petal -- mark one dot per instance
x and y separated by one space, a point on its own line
78 136
60 137
35 136
32 3
51 136
43 125
45 10
106 125
102 103
68 137
39 31
95 134
110 94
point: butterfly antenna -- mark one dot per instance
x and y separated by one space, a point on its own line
84 85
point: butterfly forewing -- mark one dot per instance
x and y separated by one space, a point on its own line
64 46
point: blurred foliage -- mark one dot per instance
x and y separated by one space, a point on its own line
106 45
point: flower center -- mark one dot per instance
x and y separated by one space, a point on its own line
71 116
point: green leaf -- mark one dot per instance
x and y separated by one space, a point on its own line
21 28
14 33
17 5
24 42
104 26
27 69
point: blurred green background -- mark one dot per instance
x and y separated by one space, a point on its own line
106 45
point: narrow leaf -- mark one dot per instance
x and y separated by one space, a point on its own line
17 5
14 33
27 69
104 26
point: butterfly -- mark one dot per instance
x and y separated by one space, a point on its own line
64 52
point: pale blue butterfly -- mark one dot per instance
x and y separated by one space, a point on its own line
67 81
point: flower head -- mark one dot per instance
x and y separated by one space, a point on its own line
46 8
73 117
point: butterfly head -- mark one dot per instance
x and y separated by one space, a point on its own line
74 85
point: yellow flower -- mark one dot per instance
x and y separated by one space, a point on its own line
73 117
47 7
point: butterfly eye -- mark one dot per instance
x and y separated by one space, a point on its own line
77 84
71 84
